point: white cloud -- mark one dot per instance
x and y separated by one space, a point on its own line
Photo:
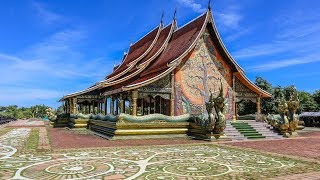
296 41
196 7
238 34
229 18
45 14
57 57
27 94
285 63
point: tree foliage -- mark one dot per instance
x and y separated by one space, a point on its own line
316 97
37 111
308 102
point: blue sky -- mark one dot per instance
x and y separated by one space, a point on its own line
51 48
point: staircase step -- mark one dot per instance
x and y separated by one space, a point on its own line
248 131
256 137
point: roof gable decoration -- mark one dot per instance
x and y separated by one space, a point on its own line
175 62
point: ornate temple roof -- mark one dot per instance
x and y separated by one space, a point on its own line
159 52
141 64
137 51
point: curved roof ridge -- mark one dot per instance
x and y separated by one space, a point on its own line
160 25
253 87
184 38
143 65
174 63
178 28
115 74
222 44
91 88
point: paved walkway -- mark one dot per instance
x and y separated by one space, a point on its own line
149 159
308 145
308 176
190 161
27 123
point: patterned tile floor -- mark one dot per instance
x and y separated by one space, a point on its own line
191 161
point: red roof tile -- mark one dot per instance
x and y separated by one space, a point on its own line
136 50
180 42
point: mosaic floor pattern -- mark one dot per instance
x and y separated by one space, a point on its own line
157 162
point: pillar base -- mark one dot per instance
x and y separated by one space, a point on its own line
234 118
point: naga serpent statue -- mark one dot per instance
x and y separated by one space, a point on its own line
219 105
216 122
287 120
293 105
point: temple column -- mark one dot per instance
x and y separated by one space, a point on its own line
122 109
142 106
235 108
117 106
66 106
134 102
258 108
69 105
160 105
172 95
75 110
105 105
92 107
89 106
111 105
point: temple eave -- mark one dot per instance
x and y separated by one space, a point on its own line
251 85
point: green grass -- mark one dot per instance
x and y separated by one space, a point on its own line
4 131
33 140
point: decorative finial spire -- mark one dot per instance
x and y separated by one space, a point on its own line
209 5
175 14
162 17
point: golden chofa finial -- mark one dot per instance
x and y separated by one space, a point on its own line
162 17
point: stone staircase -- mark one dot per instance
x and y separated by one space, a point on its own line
247 130
250 129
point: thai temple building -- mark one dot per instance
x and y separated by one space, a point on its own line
172 71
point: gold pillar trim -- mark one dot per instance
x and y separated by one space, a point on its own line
258 108
234 117
122 109
172 95
134 102
259 105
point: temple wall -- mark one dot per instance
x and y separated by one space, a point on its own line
199 74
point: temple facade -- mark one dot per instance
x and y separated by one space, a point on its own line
172 71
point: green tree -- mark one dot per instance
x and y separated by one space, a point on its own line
307 103
316 97
60 110
267 104
263 84
38 111
246 107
